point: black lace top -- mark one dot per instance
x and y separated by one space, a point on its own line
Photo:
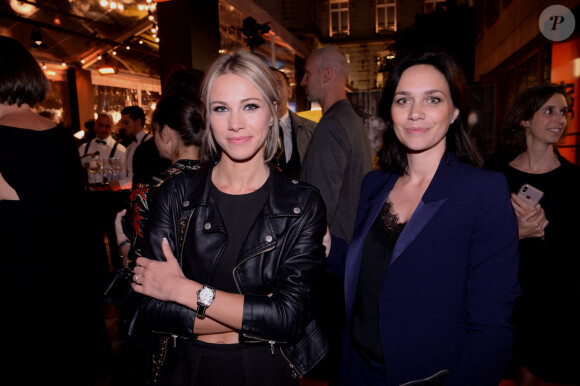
377 252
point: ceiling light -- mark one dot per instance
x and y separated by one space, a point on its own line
36 37
107 69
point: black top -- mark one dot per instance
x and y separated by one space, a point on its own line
45 263
545 318
377 252
147 162
238 213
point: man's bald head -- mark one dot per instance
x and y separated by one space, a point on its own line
333 57
325 76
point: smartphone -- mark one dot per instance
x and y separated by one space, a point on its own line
530 194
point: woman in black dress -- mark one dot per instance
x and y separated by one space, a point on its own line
55 330
546 321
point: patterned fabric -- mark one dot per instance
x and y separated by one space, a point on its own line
140 203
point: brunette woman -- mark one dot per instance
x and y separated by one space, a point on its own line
177 125
547 336
431 270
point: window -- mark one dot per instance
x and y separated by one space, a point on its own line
386 16
432 5
339 24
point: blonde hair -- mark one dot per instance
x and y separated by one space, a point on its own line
252 68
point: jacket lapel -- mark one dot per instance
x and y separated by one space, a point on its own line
432 201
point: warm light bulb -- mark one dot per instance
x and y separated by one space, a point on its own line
140 41
82 60
99 57
114 52
63 64
104 3
43 66
128 48
157 40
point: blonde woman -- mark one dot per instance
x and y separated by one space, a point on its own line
248 243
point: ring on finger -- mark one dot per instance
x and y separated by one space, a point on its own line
136 277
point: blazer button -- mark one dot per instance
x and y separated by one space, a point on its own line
207 225
296 210
185 203
268 238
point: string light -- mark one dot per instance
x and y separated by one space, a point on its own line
43 66
99 57
114 52
82 60
63 64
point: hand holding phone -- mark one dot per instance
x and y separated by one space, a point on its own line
530 194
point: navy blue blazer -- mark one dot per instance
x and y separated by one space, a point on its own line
449 292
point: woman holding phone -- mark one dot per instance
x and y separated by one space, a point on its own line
546 323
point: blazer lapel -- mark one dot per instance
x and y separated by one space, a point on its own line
432 201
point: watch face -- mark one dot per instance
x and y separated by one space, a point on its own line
206 296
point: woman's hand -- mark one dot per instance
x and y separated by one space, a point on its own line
159 279
531 220
326 241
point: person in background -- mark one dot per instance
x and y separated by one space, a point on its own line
249 243
143 159
337 158
547 336
177 126
89 131
55 328
295 131
431 271
102 203
104 144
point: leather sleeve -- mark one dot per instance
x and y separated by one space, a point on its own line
157 315
283 316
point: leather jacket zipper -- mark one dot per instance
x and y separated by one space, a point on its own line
183 228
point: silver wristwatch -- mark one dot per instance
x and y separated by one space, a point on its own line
205 297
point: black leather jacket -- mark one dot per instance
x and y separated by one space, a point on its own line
282 255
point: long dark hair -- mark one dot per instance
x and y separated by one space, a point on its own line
393 155
526 104
182 114
21 78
